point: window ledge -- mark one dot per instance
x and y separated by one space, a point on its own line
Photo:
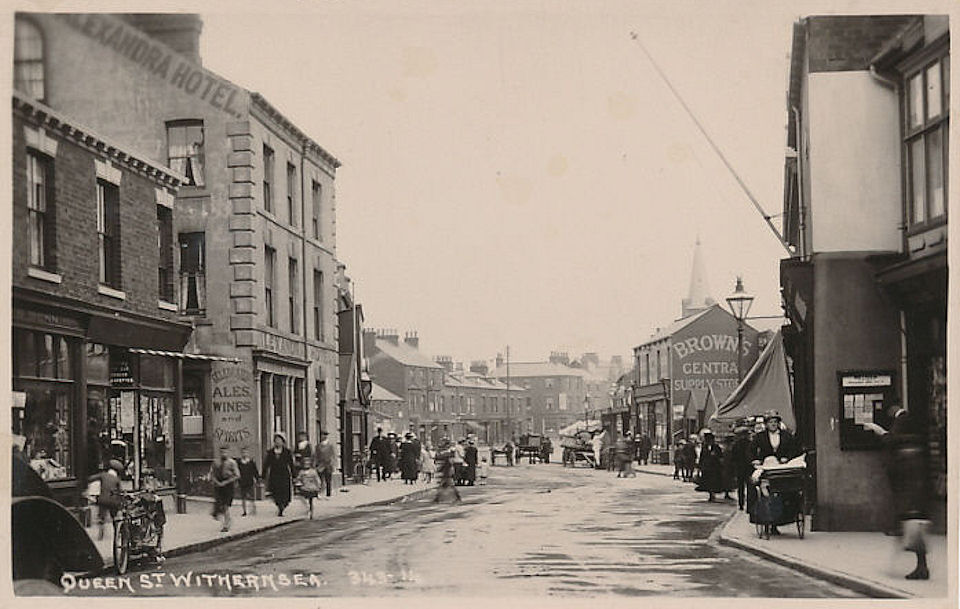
43 275
111 292
168 306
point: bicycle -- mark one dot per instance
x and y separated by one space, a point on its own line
138 529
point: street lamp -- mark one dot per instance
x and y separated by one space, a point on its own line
739 303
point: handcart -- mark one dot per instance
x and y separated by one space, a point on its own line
780 499
577 448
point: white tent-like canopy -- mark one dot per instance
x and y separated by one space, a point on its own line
765 387
578 426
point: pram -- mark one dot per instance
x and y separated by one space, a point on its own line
780 497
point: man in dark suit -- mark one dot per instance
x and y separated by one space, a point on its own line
378 451
906 473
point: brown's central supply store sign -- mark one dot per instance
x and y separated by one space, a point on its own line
157 59
705 354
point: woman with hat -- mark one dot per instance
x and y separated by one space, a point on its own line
409 454
774 441
278 472
711 465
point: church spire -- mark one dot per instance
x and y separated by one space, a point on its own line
698 296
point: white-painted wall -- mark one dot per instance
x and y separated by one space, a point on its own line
854 163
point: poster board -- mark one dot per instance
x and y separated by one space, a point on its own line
863 398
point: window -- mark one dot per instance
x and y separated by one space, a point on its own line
291 193
108 232
165 253
192 274
293 275
185 150
193 403
317 197
926 125
28 59
40 221
269 258
267 178
318 330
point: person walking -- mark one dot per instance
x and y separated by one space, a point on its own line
308 479
691 458
409 455
390 456
508 449
377 450
301 450
484 470
278 472
905 461
458 462
224 474
679 464
711 465
326 460
470 460
631 450
248 480
741 463
644 447
109 497
448 489
428 465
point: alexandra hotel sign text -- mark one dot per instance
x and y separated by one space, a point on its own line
157 59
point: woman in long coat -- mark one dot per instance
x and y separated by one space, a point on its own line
711 465
278 472
409 454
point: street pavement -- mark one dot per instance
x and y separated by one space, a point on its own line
534 530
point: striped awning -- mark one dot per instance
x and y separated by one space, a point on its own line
194 356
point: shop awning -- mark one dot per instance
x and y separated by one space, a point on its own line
193 356
765 387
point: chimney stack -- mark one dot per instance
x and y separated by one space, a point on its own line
390 335
179 31
369 341
446 361
499 360
480 367
412 339
560 357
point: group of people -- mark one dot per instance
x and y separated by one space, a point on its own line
306 469
413 459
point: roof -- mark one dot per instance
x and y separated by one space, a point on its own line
379 394
405 354
529 369
261 102
676 326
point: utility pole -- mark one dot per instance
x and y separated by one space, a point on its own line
508 388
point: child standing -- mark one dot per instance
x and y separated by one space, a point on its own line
428 465
248 479
109 498
309 481
484 471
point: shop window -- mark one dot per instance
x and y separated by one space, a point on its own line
317 196
98 364
192 273
108 232
193 404
40 211
46 425
926 149
293 282
42 355
299 411
267 178
28 76
320 404
280 407
185 150
165 253
292 194
269 259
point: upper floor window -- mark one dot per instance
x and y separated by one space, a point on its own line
185 150
28 59
165 253
108 232
269 260
317 194
293 281
926 125
192 273
40 221
267 178
318 332
292 193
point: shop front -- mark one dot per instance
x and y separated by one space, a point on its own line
84 395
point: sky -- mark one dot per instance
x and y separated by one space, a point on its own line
517 173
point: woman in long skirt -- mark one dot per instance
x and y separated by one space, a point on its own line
409 454
711 466
278 472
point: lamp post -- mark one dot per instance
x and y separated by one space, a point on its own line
739 303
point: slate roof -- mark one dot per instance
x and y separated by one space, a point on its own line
530 369
383 395
405 354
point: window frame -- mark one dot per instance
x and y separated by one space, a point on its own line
47 216
199 273
189 173
318 330
165 263
292 193
110 268
937 54
269 271
293 279
269 168
316 192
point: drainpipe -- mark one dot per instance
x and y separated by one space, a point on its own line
802 228
303 285
904 397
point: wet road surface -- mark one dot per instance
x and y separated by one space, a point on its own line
534 530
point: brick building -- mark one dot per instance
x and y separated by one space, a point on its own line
865 211
92 262
255 269
555 393
475 402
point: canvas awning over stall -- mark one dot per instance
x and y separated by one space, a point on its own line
765 387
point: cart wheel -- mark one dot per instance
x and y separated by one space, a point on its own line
121 548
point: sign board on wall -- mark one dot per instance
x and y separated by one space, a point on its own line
232 407
864 397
